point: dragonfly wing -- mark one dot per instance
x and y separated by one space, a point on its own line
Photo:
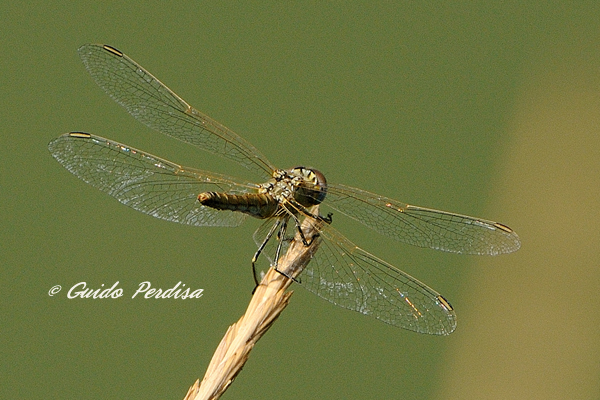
350 277
158 107
423 227
346 275
145 182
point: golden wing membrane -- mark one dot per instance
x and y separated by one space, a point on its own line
348 276
421 226
145 182
155 105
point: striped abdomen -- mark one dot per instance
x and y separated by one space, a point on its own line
254 204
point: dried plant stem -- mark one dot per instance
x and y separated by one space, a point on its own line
268 301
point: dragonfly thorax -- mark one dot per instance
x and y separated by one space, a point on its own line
306 186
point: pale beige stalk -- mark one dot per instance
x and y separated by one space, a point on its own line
268 301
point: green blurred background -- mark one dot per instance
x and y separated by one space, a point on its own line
478 108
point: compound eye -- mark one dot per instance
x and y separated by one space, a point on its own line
321 181
314 188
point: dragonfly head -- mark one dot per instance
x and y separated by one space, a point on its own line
312 188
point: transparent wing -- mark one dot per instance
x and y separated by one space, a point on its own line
423 227
144 182
157 106
346 275
350 277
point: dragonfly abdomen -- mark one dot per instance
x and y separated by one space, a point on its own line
258 205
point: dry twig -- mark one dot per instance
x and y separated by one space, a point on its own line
268 301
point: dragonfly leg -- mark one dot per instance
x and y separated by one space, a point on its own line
281 238
261 248
299 228
316 235
328 219
297 280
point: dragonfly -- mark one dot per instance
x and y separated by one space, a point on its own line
339 271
